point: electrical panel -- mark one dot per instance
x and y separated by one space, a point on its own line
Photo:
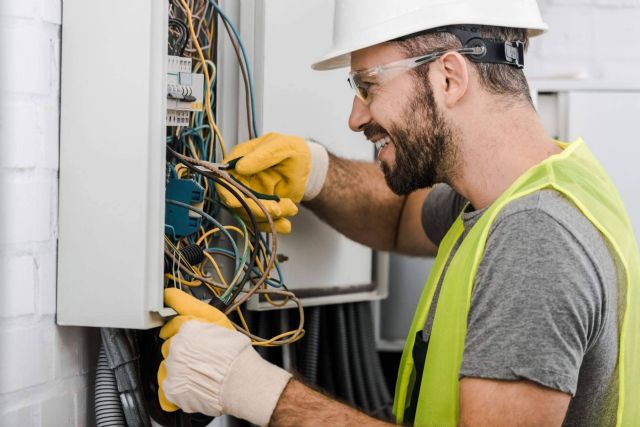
134 202
112 163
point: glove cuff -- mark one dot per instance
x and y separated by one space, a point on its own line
253 387
318 170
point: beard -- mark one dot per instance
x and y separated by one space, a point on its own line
425 149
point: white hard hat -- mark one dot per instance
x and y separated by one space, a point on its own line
359 24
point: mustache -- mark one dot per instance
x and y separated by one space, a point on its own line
373 129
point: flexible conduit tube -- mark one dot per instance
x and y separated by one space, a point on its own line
358 362
366 331
365 350
344 381
107 399
312 338
327 370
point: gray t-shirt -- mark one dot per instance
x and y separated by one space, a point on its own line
544 303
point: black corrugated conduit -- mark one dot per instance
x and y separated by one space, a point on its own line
357 358
366 335
344 383
312 344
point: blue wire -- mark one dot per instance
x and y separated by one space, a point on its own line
246 61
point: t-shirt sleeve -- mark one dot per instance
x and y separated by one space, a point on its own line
535 305
439 211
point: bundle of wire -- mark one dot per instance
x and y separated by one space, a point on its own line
193 152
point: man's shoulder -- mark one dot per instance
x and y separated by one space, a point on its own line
548 216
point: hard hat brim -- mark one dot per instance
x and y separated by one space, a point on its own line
341 57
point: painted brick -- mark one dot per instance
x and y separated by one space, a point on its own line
75 351
29 47
59 410
34 125
52 11
17 124
46 283
23 357
27 213
25 416
20 9
17 286
84 403
48 120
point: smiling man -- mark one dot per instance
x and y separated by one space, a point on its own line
530 314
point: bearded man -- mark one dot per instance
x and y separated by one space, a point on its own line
530 314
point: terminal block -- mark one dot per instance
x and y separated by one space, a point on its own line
179 220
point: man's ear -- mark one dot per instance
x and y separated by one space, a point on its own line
455 74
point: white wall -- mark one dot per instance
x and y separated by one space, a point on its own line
592 38
45 377
45 371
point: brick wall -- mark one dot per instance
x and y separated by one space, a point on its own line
45 377
45 370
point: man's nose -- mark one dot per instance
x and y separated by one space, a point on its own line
360 115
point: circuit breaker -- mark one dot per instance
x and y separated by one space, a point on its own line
184 91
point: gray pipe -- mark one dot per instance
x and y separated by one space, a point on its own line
107 399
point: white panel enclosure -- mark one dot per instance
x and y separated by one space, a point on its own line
112 152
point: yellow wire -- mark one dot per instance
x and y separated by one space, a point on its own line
193 283
242 320
214 264
269 342
276 304
207 100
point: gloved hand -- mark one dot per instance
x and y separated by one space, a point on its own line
212 369
275 164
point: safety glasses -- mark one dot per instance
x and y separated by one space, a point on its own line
362 81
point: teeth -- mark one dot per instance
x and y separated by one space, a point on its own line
382 142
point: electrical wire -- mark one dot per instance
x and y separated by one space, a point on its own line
192 153
244 56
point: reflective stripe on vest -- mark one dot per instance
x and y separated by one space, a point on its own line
577 175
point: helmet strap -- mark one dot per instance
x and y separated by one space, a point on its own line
495 51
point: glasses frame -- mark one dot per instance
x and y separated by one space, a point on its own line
386 72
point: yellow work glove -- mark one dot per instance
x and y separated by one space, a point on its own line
280 165
212 369
188 308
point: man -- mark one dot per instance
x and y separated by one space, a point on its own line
530 315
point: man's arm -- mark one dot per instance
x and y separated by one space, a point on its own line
356 201
302 406
482 403
497 403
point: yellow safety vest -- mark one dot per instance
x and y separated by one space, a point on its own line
577 175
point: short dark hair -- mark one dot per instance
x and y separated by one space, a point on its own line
501 79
